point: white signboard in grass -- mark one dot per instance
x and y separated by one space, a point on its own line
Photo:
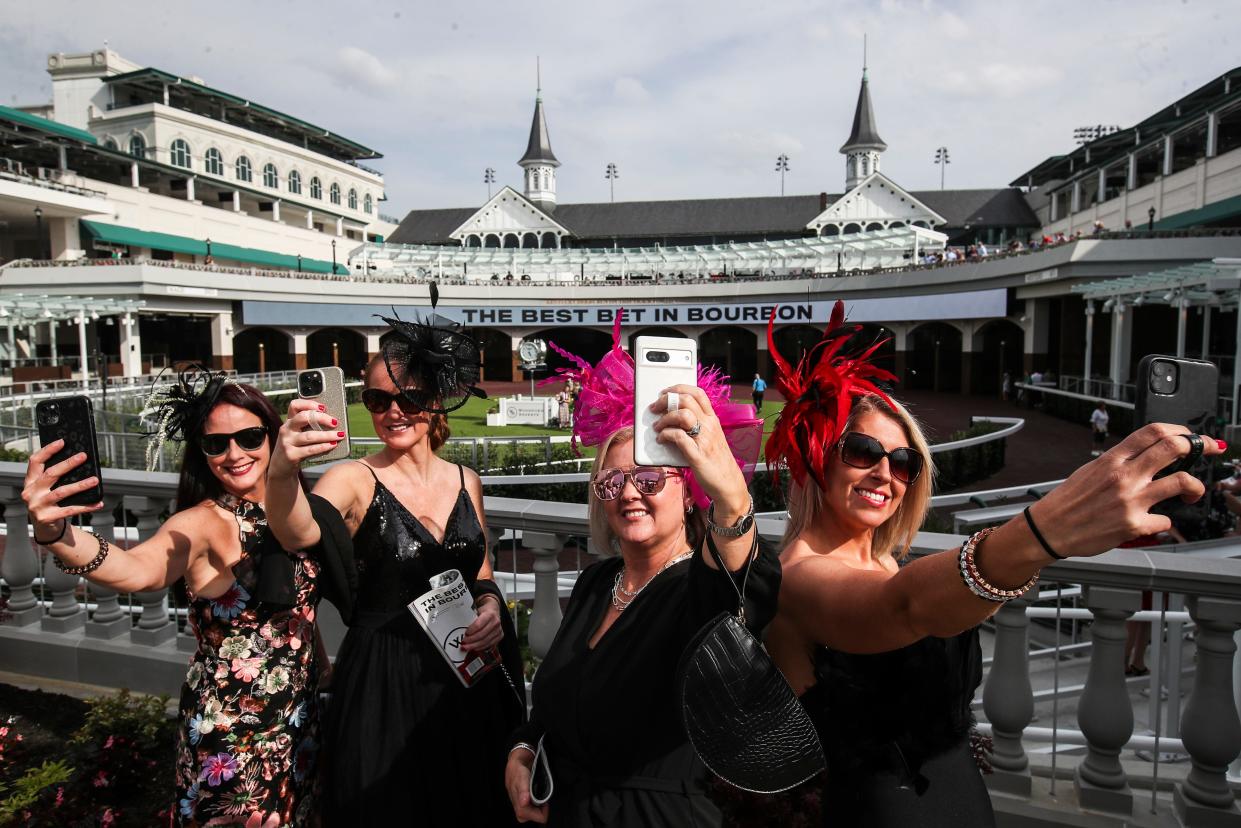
535 411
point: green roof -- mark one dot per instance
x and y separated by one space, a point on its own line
247 111
1224 209
132 237
44 125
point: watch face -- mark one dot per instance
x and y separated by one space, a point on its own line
528 351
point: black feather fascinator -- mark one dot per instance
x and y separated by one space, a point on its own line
179 408
433 362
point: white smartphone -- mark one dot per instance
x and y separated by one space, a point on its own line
326 386
659 361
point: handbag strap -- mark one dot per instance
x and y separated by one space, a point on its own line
719 561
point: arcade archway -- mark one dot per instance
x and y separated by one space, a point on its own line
259 350
342 347
998 348
731 349
933 359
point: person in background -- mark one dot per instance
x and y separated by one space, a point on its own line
760 387
1098 428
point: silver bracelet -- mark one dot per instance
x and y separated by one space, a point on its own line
522 746
974 580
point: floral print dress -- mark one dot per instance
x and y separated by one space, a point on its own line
249 707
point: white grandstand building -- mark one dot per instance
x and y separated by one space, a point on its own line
213 228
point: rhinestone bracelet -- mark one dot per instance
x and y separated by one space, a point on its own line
974 580
94 562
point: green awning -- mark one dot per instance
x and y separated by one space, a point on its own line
1226 208
132 237
44 125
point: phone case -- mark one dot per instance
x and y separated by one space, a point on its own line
1193 405
73 420
650 378
333 399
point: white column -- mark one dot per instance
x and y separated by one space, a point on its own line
1089 344
189 188
1099 198
275 210
1167 155
340 226
1131 172
1212 133
81 320
130 347
236 201
1122 341
310 219
133 174
372 342
222 341
297 342
1076 201
51 340
65 238
1182 319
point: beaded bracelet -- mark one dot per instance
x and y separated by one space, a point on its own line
974 580
90 566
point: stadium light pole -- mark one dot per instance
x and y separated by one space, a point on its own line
1086 134
941 158
782 166
489 178
611 174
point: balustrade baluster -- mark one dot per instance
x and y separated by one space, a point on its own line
1210 728
545 618
154 625
1008 700
109 619
1104 713
65 613
20 565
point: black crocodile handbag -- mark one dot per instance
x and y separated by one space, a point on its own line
739 712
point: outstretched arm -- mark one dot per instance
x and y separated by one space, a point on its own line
307 432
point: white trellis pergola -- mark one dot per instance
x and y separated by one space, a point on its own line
856 251
24 310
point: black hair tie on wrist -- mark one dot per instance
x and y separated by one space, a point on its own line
1039 536
64 527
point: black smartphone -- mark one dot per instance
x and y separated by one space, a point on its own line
71 419
1184 392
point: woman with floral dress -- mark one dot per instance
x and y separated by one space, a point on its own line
249 715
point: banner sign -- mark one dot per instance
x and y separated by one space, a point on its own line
977 304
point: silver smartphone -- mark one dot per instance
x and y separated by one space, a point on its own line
659 361
326 386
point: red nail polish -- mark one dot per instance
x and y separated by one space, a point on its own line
333 444
334 421
340 434
1222 445
323 408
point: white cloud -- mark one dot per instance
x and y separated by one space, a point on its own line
630 91
359 68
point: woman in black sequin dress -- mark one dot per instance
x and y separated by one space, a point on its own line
404 742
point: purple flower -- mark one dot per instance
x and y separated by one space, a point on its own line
219 768
231 603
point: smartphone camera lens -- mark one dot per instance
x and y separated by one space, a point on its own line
1164 377
49 414
310 384
657 356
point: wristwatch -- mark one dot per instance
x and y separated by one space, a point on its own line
737 529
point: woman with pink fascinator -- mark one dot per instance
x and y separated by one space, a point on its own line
606 719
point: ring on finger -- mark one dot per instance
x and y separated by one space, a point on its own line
1196 447
674 401
696 430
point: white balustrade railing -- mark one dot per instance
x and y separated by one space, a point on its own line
62 629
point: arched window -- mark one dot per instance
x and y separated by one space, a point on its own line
353 199
179 154
334 194
110 143
865 166
213 161
367 204
295 182
244 170
137 146
271 178
316 188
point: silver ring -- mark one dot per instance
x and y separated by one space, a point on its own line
674 401
696 430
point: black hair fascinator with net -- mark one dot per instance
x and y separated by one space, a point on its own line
179 408
433 362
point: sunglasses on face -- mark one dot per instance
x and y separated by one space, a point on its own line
378 401
863 452
648 480
248 439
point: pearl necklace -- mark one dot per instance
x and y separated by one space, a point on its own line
622 598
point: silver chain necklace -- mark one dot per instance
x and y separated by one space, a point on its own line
622 598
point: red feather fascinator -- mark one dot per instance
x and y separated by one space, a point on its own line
820 391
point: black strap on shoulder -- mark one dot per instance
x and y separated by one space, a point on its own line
369 469
461 471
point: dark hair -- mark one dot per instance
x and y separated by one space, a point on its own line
197 482
439 431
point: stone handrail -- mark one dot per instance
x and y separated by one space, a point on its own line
53 632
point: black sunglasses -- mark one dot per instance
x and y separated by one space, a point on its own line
248 439
648 480
863 452
378 401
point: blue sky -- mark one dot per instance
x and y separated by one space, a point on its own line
689 99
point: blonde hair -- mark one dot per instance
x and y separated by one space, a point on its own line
601 534
897 533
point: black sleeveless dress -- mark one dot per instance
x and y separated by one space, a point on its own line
895 727
405 744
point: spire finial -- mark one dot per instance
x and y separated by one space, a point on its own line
538 79
863 56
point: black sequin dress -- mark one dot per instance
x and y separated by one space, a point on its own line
405 743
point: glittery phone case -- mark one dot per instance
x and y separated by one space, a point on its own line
332 397
73 420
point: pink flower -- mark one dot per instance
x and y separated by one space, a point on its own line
247 669
301 626
108 818
219 768
100 780
256 820
108 744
